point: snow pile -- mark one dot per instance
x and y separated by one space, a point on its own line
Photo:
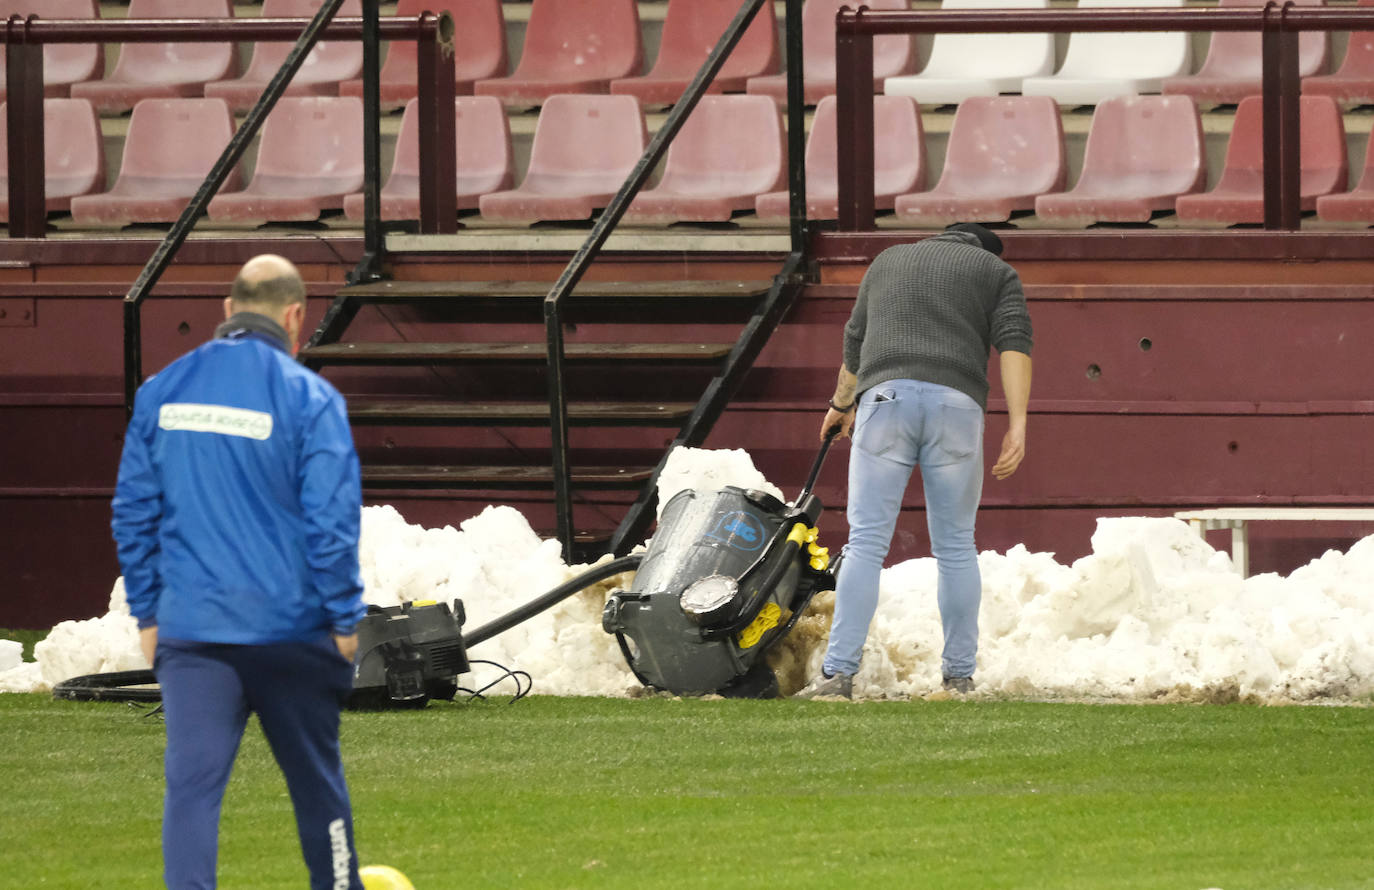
1152 613
708 470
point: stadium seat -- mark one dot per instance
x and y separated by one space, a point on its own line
1003 152
1231 70
309 157
320 73
892 54
964 65
1100 65
899 160
73 153
1239 195
1142 153
483 156
479 50
572 46
690 31
731 150
1353 83
63 63
1356 205
170 147
583 149
163 70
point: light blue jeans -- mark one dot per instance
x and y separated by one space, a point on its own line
903 424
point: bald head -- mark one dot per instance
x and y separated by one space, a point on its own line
267 284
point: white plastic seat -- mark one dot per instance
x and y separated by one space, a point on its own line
964 65
1100 65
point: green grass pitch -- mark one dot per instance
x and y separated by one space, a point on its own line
596 793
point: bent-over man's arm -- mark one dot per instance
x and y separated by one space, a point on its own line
1016 384
1012 335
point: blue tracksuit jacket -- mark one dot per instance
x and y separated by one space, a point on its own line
238 505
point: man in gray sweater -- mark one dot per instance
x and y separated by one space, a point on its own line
913 389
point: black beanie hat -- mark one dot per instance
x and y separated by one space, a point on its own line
990 242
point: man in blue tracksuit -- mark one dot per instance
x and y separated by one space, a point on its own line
236 516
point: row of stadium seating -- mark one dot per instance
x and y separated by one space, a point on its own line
595 46
1005 155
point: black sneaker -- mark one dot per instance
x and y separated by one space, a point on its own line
961 685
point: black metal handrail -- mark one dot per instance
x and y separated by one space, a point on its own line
25 37
1279 27
611 215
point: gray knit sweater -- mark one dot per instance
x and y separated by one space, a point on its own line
931 311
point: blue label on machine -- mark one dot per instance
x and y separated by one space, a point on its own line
740 530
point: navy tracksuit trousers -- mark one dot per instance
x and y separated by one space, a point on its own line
297 690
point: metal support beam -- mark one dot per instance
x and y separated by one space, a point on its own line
27 187
438 168
368 267
796 126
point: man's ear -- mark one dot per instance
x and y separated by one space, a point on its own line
228 307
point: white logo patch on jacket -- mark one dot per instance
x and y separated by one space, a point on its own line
220 419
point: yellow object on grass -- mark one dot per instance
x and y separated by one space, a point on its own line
384 877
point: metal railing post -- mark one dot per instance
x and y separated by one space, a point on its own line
162 257
1271 136
796 125
1290 126
27 190
854 117
601 230
368 267
438 167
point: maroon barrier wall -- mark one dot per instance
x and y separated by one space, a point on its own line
1153 393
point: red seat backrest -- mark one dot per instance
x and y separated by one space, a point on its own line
176 62
586 135
691 29
581 40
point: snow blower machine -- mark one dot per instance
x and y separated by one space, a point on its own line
726 577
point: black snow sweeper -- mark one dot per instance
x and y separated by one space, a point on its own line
725 578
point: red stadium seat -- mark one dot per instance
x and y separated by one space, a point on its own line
484 159
892 54
63 63
170 147
320 73
73 153
584 147
899 159
310 156
479 50
163 70
1353 84
690 31
572 46
1231 70
1239 196
1142 153
731 150
1003 152
1356 205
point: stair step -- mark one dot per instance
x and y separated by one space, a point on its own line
416 412
381 476
423 353
423 291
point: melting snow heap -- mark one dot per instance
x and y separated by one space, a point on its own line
1154 613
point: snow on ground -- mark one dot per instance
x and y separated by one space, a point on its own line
1152 613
